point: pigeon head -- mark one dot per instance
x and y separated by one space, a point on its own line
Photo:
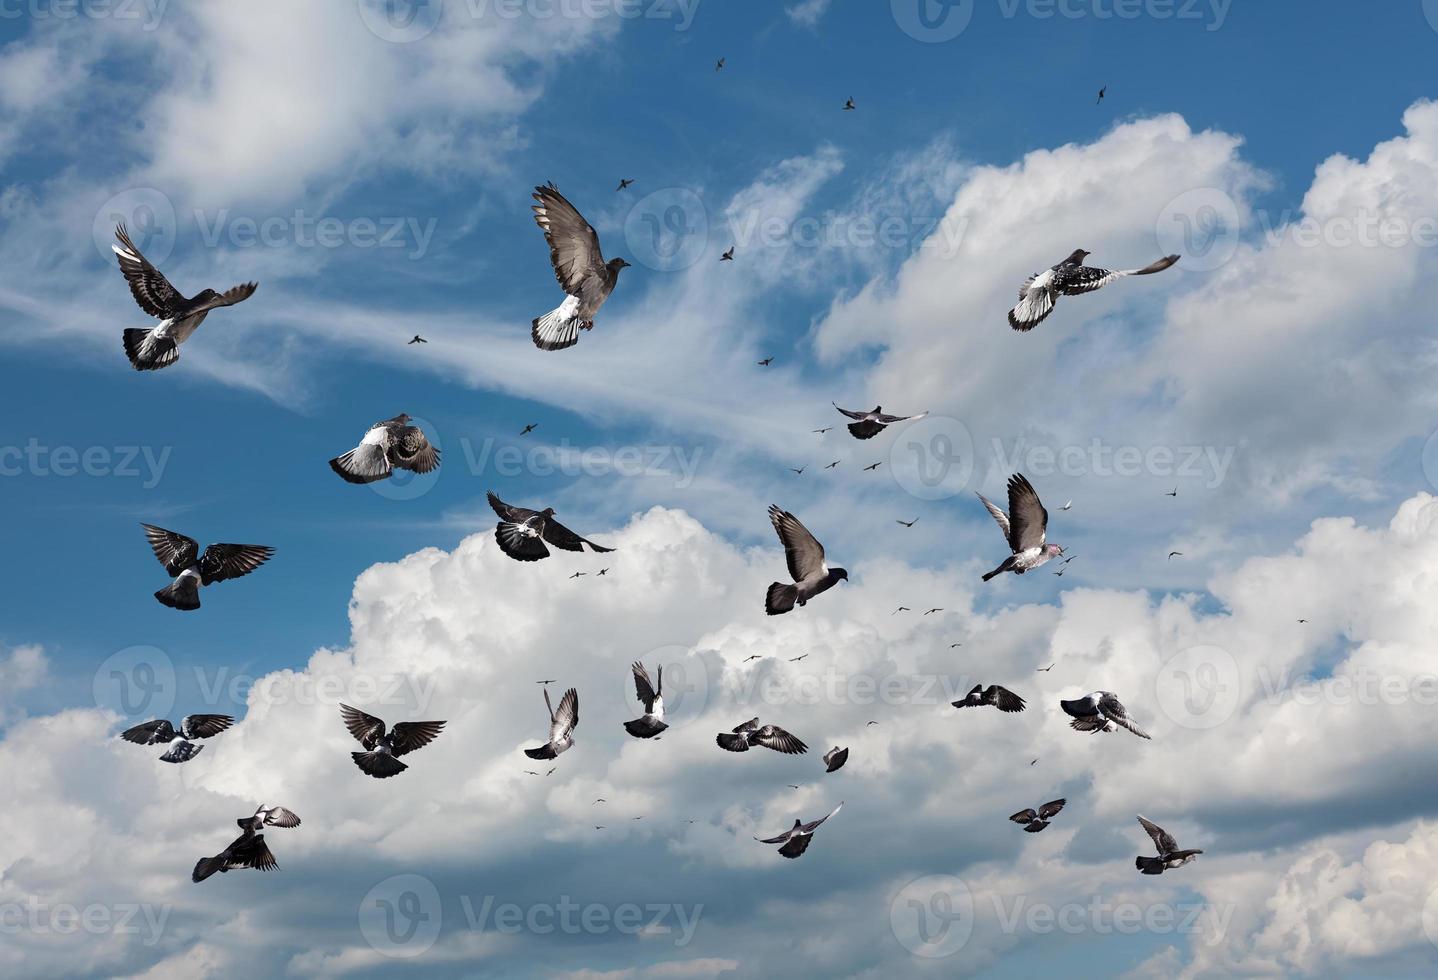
205 295
616 264
548 512
1078 256
839 574
402 418
1053 550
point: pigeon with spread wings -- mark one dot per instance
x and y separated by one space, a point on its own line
1025 528
158 347
995 695
388 445
752 733
1100 711
192 727
652 697
1169 855
561 726
796 839
835 758
1036 820
269 816
382 748
805 557
249 850
1069 278
579 265
870 424
182 558
522 533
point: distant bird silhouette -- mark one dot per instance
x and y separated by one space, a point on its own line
992 696
1068 505
719 65
873 466
1169 855
1171 493
192 727
1101 92
752 733
389 445
159 347
933 610
753 656
652 697
602 571
801 656
550 681
804 556
417 339
766 362
823 430
529 428
182 558
1173 554
908 523
796 839
1025 527
1036 820
728 256
899 610
522 533
870 723
561 727
833 464
579 265
1044 670
623 183
1069 278
1100 711
835 758
578 574
871 423
849 104
952 645
382 748
799 471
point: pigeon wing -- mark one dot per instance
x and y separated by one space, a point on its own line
1027 518
809 828
781 741
515 515
1051 809
853 415
252 852
565 539
566 719
152 291
412 451
282 817
1110 707
176 551
233 295
150 732
367 729
408 736
999 516
1162 839
1024 816
891 419
573 244
1005 699
642 686
802 551
205 726
223 561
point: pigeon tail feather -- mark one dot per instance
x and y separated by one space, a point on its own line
380 765
781 598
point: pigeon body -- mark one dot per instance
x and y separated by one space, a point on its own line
805 557
388 445
269 816
999 697
561 726
835 758
796 839
182 558
522 533
579 265
1069 278
1036 820
652 697
382 748
752 733
159 347
1025 528
1100 711
249 850
1169 855
192 728
870 424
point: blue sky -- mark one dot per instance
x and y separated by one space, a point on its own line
1295 373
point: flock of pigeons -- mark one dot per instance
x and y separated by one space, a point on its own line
587 280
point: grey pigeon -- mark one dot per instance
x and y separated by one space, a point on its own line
1036 820
561 726
805 557
1025 527
835 758
158 347
1099 712
249 850
388 445
269 816
1069 278
579 265
999 697
522 533
652 697
870 424
1169 856
382 748
752 733
796 839
192 727
181 557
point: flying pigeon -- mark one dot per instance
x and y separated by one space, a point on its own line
623 183
908 523
158 347
191 727
1045 670
794 660
1101 93
1174 554
799 471
1099 712
805 556
872 423
796 839
766 362
417 339
935 609
579 265
652 697
1025 527
249 850
382 749
833 464
728 256
561 726
849 104
1069 278
873 466
835 758
1169 856
181 557
1036 820
719 65
823 430
388 445
269 816
1068 505
529 428
522 533
999 697
899 610
769 736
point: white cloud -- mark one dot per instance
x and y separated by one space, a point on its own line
807 13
